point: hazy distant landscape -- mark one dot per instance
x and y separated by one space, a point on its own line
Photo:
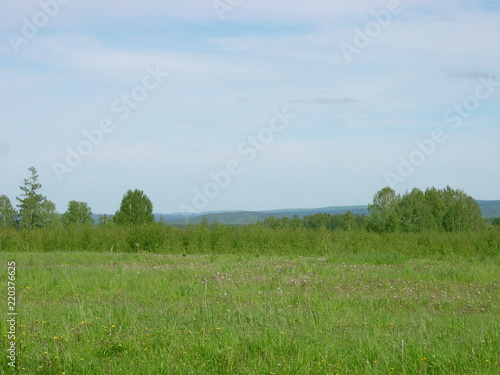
490 210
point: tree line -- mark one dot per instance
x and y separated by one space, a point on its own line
36 211
445 210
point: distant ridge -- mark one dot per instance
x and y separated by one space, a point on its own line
490 209
252 217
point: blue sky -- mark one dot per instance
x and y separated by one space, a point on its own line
356 121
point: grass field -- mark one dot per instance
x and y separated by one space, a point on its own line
101 313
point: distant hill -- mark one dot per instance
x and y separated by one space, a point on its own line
359 210
252 217
490 209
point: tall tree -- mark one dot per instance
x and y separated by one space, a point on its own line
415 213
50 218
462 211
437 206
383 211
35 210
78 213
135 209
30 203
7 212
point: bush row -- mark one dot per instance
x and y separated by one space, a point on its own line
248 239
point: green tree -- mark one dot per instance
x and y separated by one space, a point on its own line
7 212
270 222
444 210
78 213
415 213
296 222
349 221
496 222
462 211
49 217
383 211
34 209
437 206
135 209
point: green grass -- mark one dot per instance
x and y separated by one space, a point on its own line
250 239
364 313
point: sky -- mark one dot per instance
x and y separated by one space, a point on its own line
212 105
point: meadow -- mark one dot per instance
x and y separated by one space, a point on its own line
389 308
